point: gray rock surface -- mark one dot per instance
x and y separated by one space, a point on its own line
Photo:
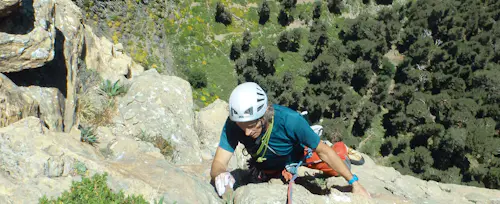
108 59
158 105
69 23
34 163
33 49
51 103
14 103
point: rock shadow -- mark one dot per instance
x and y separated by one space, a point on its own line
52 74
21 21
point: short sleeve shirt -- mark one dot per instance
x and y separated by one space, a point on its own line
290 133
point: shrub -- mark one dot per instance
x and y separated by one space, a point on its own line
87 135
94 110
165 146
222 15
197 78
264 11
113 89
93 190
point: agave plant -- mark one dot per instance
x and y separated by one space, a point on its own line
113 89
87 135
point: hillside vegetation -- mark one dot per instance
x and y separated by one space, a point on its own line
415 84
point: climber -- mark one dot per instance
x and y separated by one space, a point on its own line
276 137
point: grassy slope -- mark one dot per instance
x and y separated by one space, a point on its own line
199 42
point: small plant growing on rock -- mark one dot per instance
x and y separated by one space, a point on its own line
159 201
79 168
113 89
93 190
165 146
87 135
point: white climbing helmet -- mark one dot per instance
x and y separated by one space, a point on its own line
247 102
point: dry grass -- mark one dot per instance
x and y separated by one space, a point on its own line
165 146
95 110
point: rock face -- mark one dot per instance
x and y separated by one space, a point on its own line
8 6
36 164
34 47
385 184
69 24
51 103
108 59
158 105
14 103
37 159
209 123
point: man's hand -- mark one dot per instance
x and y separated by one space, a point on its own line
357 188
222 180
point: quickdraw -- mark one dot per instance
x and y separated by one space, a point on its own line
292 168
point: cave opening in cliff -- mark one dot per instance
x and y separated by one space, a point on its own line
51 74
21 19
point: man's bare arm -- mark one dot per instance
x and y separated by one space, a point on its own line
328 155
220 162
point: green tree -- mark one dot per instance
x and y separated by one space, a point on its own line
481 140
335 6
197 78
348 104
381 89
247 39
235 51
362 75
222 15
420 160
288 4
383 2
285 17
264 12
289 41
317 10
283 41
427 135
418 111
365 117
318 34
264 60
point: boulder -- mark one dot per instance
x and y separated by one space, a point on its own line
108 59
19 50
51 103
158 105
14 103
34 163
209 123
70 38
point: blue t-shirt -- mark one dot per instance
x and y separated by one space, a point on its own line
290 133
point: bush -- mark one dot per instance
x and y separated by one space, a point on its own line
165 146
197 78
87 135
93 190
222 15
113 89
264 11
